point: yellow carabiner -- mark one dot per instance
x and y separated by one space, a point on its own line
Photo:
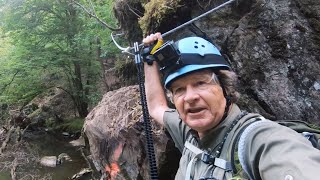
159 43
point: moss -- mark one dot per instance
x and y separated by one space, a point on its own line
49 122
72 125
314 126
35 113
155 12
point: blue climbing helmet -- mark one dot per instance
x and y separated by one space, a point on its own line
194 53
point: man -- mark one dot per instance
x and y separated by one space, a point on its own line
206 120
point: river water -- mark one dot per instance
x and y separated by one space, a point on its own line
35 146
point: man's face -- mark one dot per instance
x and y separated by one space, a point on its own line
199 100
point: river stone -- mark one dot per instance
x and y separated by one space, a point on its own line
65 134
82 172
78 142
63 157
49 161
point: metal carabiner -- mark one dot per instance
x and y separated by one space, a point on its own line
124 50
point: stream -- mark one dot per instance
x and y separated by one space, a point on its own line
36 145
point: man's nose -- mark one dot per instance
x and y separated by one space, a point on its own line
191 95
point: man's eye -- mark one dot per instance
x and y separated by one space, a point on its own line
200 83
178 91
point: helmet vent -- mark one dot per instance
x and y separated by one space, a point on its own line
196 46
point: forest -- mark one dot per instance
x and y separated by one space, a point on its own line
48 44
49 48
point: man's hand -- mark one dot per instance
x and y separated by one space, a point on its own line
156 99
147 41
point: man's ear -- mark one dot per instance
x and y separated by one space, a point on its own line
170 98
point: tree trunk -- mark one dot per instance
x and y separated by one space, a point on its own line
80 97
102 64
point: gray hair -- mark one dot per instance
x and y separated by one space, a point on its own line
227 79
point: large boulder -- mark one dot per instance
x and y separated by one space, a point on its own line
115 132
53 106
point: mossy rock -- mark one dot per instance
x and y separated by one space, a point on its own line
157 11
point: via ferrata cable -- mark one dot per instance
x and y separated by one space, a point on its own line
129 50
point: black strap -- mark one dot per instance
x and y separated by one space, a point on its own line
194 59
188 59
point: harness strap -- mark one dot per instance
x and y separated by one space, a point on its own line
219 173
190 167
200 154
192 148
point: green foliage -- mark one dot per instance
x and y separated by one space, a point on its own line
71 125
50 123
47 43
314 126
104 11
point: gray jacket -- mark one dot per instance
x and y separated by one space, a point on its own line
267 150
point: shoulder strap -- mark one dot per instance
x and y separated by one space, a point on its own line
232 149
219 173
222 163
242 144
234 144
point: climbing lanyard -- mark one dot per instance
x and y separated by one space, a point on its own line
147 126
139 64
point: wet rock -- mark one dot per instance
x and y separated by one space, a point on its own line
66 134
53 161
49 161
63 157
78 142
52 106
80 174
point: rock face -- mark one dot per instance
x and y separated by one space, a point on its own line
117 141
274 47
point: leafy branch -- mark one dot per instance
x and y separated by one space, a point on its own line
95 16
8 84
